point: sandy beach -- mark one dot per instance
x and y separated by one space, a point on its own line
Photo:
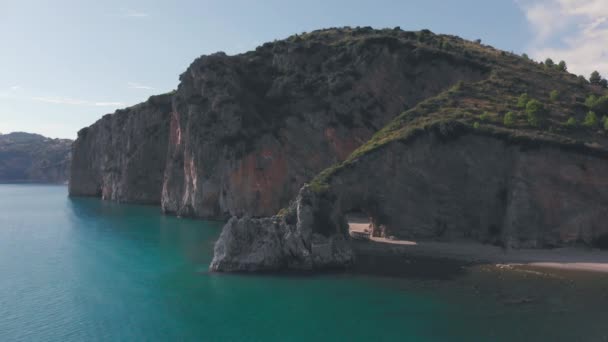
571 258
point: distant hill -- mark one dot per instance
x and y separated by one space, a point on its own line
26 157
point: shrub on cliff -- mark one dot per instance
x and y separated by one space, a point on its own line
554 95
549 63
561 66
509 119
598 105
571 122
535 111
485 116
605 123
522 101
590 120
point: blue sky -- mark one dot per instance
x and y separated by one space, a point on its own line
65 63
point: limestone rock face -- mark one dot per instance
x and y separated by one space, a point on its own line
26 157
122 156
280 242
459 185
248 130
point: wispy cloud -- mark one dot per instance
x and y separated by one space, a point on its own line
15 87
75 102
572 30
135 85
131 13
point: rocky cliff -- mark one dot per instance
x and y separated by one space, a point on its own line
448 183
248 130
514 160
26 157
122 156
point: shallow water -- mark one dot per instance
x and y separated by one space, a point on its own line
89 270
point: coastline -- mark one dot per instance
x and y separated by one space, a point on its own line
470 252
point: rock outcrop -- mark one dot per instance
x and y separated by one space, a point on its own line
26 157
122 156
451 182
248 130
282 242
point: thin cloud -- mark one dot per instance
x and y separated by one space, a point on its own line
74 102
15 87
572 30
135 85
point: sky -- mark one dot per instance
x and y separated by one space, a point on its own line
66 63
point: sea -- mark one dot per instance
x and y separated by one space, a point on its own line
83 269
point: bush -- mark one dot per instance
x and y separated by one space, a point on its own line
590 120
598 105
590 101
476 125
484 117
525 56
509 119
549 63
535 111
561 66
571 122
605 124
554 95
604 83
522 101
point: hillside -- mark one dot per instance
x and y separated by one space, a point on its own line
26 157
453 167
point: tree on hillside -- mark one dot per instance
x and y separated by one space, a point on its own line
549 63
595 78
525 56
604 83
561 66
535 110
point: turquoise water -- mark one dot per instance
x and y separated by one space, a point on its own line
89 270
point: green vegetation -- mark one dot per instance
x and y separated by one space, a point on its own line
485 116
590 120
597 104
554 95
522 101
525 56
511 101
605 125
571 122
549 63
595 78
535 111
509 119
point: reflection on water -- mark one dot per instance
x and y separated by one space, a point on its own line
89 270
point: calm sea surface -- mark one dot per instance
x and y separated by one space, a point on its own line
88 270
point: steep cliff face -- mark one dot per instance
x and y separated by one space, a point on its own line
247 131
122 156
448 183
26 157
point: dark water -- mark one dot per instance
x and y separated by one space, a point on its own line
87 270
